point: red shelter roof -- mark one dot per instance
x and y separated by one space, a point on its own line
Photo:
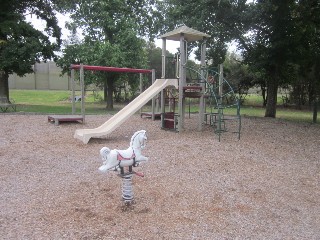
111 69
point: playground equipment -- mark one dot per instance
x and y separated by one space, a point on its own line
202 89
118 160
219 92
85 134
184 34
73 117
221 98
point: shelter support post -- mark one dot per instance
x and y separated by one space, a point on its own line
182 83
163 76
202 84
82 92
140 87
153 76
73 91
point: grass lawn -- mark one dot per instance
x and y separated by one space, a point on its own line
54 102
58 102
253 107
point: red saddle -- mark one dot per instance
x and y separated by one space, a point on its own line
125 155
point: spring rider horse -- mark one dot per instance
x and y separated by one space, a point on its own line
120 159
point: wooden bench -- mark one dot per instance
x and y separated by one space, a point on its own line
57 119
5 105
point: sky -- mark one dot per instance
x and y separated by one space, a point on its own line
171 46
40 25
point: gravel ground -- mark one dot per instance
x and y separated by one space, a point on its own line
265 186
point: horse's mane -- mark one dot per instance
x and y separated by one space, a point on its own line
136 134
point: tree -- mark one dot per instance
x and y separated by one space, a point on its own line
155 61
219 18
111 31
268 32
20 44
272 44
238 75
285 45
308 51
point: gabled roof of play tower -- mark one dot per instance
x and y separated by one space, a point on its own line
189 34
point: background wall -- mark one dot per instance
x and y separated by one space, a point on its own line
46 76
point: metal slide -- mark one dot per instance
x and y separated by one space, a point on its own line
115 121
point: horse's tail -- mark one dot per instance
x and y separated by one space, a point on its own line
104 153
109 158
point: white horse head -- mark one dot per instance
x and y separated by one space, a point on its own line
112 159
139 139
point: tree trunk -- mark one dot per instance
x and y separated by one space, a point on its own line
105 91
263 92
315 110
4 86
110 94
272 88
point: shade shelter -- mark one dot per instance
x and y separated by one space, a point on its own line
75 118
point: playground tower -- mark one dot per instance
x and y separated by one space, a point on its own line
185 35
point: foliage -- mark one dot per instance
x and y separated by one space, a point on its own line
154 55
193 72
271 43
111 31
154 58
238 76
20 44
285 48
219 18
308 53
279 40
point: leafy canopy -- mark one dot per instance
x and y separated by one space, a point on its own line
20 44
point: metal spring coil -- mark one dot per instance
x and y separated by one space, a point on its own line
127 190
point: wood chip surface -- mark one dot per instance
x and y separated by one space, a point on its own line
265 186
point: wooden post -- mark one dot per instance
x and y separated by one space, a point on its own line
82 92
153 77
202 103
163 58
140 88
177 65
182 82
73 91
163 75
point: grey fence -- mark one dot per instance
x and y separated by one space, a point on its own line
46 76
